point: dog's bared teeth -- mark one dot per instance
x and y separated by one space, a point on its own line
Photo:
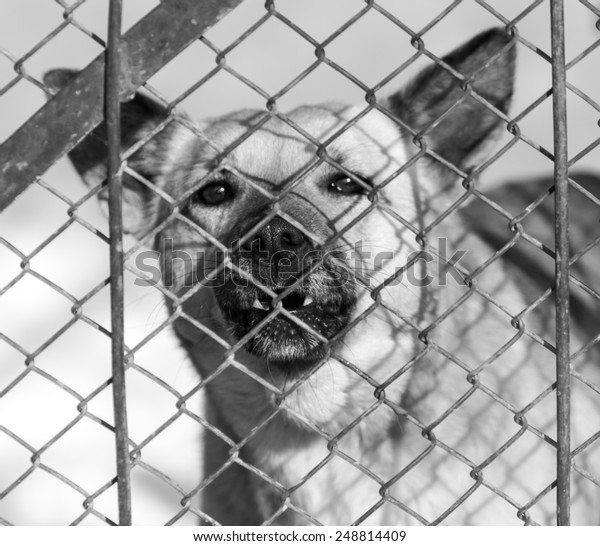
307 301
257 305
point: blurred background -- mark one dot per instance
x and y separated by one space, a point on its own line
56 448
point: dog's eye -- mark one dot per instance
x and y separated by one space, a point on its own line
213 194
345 185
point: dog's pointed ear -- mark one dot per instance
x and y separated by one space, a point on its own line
139 117
455 123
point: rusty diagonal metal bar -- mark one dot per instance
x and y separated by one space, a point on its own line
79 108
561 219
115 219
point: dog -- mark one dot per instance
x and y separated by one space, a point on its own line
355 373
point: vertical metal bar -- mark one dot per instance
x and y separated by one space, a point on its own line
115 207
561 219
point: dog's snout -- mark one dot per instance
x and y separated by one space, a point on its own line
277 236
278 252
280 235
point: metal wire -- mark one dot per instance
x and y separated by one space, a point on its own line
130 61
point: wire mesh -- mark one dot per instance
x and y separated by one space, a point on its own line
393 457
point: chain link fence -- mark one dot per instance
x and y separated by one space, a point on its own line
481 405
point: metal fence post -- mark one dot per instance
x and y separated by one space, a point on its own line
113 123
561 182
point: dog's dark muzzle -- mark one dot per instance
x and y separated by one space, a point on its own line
279 253
302 284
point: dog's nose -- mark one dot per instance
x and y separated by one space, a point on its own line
278 235
279 252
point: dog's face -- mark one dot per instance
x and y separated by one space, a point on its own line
296 254
270 223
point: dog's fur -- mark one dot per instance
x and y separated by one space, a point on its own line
423 405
